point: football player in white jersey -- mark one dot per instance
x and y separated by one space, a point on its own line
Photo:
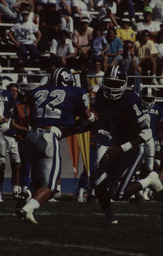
122 131
53 113
7 103
154 114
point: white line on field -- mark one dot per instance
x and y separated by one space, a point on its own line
96 214
83 247
47 213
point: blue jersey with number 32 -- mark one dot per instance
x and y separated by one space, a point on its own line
57 106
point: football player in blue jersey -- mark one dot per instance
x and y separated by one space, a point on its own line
153 113
53 114
7 103
122 131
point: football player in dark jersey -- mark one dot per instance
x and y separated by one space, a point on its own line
53 113
122 130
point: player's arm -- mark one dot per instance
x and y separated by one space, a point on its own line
17 127
83 124
160 132
143 136
160 136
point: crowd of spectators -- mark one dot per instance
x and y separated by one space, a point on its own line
86 30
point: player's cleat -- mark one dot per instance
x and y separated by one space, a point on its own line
109 221
113 221
53 200
156 184
81 200
15 195
109 216
57 194
25 216
24 196
144 196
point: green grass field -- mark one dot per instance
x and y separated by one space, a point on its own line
69 228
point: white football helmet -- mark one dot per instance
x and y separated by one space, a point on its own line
114 83
62 77
148 97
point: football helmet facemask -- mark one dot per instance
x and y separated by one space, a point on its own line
148 97
62 77
114 83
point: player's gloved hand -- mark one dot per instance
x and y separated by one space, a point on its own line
112 152
4 127
29 128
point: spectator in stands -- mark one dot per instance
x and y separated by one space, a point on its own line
50 68
125 32
23 77
148 24
26 35
115 46
65 9
82 37
11 10
21 6
99 46
7 9
81 9
127 5
96 72
107 8
128 62
62 50
157 7
49 23
145 50
105 24
159 60
80 74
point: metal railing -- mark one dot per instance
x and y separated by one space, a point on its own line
41 73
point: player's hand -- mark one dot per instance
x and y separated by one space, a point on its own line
4 127
112 152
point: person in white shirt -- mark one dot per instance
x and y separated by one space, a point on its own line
159 59
26 35
62 49
148 24
107 8
97 74
81 8
157 6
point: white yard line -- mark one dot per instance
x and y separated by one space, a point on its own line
75 246
47 213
